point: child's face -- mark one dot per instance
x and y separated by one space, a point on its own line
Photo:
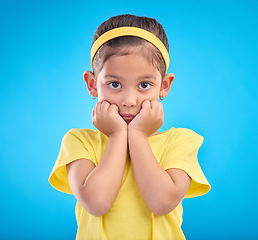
127 81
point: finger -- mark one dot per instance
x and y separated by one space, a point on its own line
146 104
114 107
160 110
154 104
160 106
98 107
93 114
157 108
105 106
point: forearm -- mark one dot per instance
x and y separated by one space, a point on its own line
102 185
155 185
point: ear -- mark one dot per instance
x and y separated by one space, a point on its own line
89 78
166 84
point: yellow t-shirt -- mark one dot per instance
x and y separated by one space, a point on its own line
129 218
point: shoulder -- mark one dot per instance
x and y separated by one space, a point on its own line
185 133
180 134
81 132
77 138
84 134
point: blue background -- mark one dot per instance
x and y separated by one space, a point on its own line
44 52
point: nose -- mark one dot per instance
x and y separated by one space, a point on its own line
129 99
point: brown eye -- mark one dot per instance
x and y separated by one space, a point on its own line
144 85
115 85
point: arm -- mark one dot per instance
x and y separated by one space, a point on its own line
161 190
96 188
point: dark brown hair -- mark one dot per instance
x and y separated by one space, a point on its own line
125 45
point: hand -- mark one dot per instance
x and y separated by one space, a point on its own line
149 119
105 118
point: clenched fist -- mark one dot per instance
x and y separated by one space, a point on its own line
105 118
149 119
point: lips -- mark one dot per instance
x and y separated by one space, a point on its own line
127 116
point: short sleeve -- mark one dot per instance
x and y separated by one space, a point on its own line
72 148
183 155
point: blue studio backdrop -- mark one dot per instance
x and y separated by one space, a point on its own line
45 50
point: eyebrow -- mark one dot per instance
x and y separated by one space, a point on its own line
113 76
147 76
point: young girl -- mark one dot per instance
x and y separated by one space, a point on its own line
129 179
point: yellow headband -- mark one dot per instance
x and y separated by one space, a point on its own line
130 31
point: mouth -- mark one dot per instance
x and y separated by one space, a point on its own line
127 117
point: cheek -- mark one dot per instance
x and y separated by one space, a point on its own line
153 95
101 94
104 96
